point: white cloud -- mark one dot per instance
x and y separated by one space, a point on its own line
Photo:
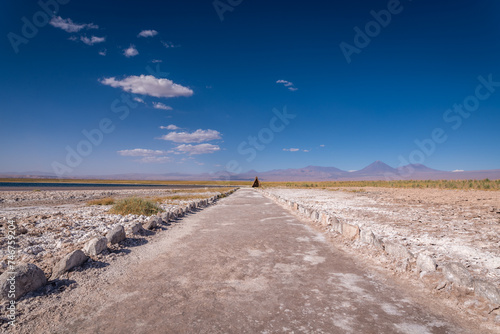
169 45
155 159
457 171
131 51
92 40
170 127
148 33
156 61
305 150
138 99
146 156
148 85
322 145
197 149
284 82
69 26
291 149
102 52
195 137
159 105
287 84
141 152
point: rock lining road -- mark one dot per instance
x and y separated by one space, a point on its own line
245 265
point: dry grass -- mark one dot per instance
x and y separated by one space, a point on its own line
168 199
189 194
102 201
135 206
485 184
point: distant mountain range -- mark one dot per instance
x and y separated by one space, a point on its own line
376 171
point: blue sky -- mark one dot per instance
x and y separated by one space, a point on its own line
198 87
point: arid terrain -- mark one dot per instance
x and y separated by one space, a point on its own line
53 223
448 224
446 228
246 265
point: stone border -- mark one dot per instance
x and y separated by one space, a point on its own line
453 273
30 277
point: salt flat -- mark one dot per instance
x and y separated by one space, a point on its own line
243 265
54 223
449 225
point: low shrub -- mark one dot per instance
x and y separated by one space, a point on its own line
485 184
135 206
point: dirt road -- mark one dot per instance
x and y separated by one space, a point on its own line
245 265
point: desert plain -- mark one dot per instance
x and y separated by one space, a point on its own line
448 226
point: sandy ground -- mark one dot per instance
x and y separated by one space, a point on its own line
244 265
448 225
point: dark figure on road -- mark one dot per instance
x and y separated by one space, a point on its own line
256 183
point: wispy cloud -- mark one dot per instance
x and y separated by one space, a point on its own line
140 152
197 149
322 145
147 33
103 52
159 105
156 61
291 149
69 26
305 150
287 84
92 40
198 136
138 99
131 51
148 85
146 155
153 159
169 45
457 171
170 127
